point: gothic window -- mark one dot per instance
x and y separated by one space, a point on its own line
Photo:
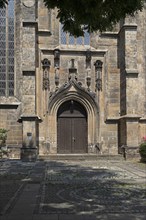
67 39
7 50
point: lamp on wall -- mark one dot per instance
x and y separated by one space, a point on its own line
98 74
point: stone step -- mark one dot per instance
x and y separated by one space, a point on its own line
81 157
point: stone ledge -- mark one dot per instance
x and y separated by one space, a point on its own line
28 72
143 119
9 102
130 116
28 68
112 120
29 22
74 50
29 118
109 35
44 32
129 27
133 73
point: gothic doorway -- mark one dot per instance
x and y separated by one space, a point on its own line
71 128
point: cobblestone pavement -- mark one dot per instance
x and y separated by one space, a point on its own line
92 187
13 174
75 187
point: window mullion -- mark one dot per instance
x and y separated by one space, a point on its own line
7 46
67 38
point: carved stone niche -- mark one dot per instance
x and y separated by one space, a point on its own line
46 63
98 74
57 58
72 70
88 59
57 77
46 68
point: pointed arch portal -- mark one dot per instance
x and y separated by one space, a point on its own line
74 119
72 128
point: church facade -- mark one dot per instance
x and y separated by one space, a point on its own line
66 95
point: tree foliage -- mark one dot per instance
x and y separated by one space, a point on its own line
3 136
3 3
78 16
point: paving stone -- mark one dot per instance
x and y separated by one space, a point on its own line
72 189
76 217
97 187
46 217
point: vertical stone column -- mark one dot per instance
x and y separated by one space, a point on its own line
29 116
129 84
142 38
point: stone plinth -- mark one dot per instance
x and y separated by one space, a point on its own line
28 154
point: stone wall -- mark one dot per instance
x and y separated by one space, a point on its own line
9 120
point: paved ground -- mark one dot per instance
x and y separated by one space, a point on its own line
67 190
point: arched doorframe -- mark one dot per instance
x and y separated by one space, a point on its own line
72 129
92 114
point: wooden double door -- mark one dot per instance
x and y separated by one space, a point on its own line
71 128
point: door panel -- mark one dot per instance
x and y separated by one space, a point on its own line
64 137
79 135
72 135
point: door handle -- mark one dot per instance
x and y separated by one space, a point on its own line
73 139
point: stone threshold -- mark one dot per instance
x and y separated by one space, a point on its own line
80 157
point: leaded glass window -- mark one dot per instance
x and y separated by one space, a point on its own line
67 39
7 50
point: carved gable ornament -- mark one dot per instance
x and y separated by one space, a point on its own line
72 88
